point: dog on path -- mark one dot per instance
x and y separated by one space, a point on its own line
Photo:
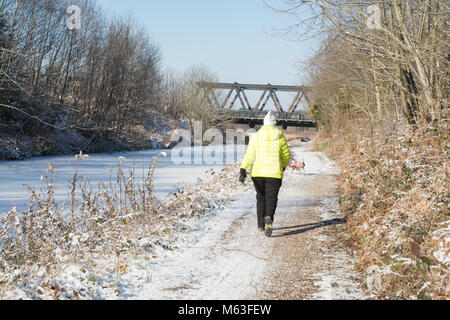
298 165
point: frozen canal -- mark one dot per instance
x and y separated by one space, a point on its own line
170 173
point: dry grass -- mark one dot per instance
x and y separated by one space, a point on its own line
395 191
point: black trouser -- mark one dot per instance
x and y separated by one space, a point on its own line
267 190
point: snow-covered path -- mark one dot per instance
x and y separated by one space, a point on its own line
225 257
223 264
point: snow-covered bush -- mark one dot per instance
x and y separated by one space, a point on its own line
395 192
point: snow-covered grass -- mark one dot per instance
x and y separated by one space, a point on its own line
119 218
200 243
395 194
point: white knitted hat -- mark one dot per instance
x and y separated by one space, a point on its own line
270 120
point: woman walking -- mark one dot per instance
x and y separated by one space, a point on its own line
268 155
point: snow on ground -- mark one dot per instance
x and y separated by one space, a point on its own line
338 282
211 267
219 256
225 257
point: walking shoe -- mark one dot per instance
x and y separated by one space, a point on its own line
260 229
268 227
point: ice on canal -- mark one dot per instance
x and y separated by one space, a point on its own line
177 169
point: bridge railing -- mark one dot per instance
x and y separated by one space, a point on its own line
297 115
269 92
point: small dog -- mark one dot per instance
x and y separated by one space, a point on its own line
298 165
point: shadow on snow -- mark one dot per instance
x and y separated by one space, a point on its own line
294 230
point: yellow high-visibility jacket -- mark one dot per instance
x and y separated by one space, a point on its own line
268 153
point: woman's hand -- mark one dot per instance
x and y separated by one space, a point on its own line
242 175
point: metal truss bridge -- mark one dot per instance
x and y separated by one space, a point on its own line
254 114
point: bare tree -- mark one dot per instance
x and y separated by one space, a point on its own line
186 99
407 43
102 76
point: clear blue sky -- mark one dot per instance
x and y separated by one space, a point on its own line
234 38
